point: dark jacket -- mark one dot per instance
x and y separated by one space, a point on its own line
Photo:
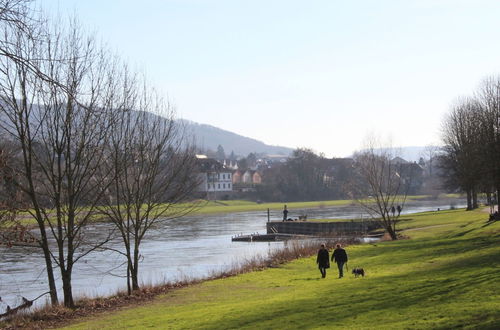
339 255
323 259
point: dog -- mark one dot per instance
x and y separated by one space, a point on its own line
358 271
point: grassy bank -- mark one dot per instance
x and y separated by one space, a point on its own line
445 276
232 206
210 207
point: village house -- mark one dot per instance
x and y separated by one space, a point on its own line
213 176
247 177
246 180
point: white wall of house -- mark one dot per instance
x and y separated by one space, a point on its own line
247 177
221 181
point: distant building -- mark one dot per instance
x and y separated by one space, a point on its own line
214 176
247 177
252 177
230 164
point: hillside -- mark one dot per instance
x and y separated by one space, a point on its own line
209 137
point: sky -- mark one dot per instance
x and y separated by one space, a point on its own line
313 74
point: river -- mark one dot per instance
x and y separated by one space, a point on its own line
191 247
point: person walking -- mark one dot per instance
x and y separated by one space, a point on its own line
285 213
340 257
323 260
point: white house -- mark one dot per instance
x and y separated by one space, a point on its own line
214 176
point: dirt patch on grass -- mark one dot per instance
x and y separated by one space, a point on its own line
54 317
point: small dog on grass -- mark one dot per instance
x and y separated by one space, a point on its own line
358 271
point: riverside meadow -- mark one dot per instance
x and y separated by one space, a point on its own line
444 274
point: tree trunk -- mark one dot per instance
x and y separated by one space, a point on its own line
469 199
68 292
48 264
498 199
50 274
392 232
129 288
135 270
474 199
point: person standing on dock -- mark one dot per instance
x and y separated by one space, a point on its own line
340 257
323 260
285 213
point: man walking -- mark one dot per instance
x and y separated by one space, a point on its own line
323 260
340 257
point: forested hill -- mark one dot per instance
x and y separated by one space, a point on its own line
209 137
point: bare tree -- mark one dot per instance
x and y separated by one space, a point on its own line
462 151
62 136
17 95
380 184
489 98
430 153
152 167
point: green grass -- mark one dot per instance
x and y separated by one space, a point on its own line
209 207
446 276
218 207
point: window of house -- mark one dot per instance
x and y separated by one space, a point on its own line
224 185
218 185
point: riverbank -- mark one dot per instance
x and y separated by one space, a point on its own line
444 276
210 207
232 206
54 317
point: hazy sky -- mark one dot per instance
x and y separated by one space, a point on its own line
316 74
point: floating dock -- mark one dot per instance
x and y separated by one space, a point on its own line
322 228
264 237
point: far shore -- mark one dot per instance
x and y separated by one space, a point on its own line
201 207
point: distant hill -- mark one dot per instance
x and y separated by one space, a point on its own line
413 153
410 153
209 137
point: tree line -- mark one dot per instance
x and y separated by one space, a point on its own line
471 138
83 137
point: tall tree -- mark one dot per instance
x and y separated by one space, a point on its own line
489 98
430 153
152 171
220 154
61 132
380 185
18 96
462 151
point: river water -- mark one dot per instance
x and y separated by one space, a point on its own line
191 247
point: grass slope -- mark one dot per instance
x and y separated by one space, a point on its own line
209 207
446 276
